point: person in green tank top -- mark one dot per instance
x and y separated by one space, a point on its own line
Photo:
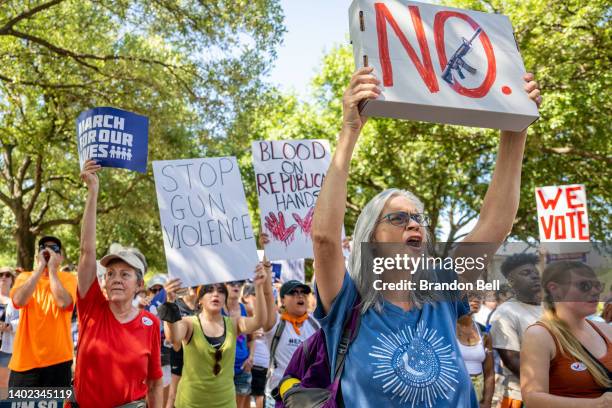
209 341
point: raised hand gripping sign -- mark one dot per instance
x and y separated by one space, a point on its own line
288 176
206 227
441 64
114 138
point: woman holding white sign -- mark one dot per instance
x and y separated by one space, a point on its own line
405 352
209 341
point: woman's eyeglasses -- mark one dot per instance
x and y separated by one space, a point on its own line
402 218
217 366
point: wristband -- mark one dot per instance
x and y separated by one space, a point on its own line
169 312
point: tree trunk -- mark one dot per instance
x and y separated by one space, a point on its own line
26 245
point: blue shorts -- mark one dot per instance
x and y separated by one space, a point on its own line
242 382
4 359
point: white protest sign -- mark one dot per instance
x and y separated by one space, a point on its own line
441 64
562 213
205 221
288 176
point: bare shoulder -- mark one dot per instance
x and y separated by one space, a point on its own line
605 328
539 338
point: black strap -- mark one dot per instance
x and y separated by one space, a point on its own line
313 322
600 364
275 340
346 339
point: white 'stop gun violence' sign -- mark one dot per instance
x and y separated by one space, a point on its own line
441 64
206 227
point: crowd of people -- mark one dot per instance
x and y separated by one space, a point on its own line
228 344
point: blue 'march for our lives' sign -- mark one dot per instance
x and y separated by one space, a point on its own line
114 138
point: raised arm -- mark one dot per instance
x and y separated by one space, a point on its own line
23 294
87 259
501 201
271 314
329 212
61 296
177 329
247 325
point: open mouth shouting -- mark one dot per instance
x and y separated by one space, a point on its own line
414 240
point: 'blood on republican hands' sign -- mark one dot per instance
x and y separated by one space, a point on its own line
289 175
114 138
441 64
562 213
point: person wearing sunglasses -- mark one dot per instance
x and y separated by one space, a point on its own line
286 331
208 340
118 359
405 340
43 348
9 319
245 348
566 359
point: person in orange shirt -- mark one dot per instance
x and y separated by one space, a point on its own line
42 352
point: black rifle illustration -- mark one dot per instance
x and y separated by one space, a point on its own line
457 62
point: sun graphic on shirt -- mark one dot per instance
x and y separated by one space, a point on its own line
415 365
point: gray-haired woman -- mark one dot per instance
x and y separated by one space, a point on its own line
405 353
118 360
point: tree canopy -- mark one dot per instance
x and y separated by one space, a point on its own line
197 69
190 66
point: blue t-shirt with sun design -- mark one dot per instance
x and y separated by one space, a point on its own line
400 359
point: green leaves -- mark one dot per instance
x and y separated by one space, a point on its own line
190 66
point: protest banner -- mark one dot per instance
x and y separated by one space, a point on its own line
289 175
562 213
441 64
114 138
207 231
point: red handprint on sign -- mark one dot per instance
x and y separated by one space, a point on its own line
277 228
306 223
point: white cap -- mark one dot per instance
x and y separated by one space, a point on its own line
158 279
127 256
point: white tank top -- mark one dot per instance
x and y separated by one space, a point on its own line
473 356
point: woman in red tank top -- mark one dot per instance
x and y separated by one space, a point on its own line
566 360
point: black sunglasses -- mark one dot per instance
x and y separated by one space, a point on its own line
402 218
155 290
5 275
294 292
217 366
235 283
588 285
54 247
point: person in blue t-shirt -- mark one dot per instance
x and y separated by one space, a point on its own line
405 353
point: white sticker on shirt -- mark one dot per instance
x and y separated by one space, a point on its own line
146 321
416 366
578 366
